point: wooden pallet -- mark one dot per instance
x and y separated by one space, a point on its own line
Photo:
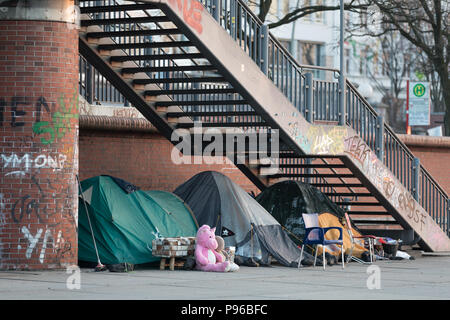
172 263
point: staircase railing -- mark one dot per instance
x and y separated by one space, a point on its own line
289 76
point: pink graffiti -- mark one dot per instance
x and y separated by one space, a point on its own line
192 12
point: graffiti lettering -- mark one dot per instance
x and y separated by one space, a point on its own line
357 148
60 244
406 202
25 163
2 211
60 121
388 187
32 240
18 101
192 12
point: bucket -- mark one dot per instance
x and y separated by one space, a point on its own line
390 248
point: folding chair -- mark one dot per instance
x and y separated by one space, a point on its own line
367 238
314 234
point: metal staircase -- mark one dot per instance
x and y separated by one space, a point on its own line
189 67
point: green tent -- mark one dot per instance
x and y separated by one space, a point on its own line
125 220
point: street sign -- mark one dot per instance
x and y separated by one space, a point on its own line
419 104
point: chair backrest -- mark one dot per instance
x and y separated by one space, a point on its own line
311 220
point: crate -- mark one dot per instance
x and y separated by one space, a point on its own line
172 248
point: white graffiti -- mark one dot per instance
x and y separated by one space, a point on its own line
33 240
2 211
322 144
59 244
25 163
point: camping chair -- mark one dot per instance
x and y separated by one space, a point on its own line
370 240
314 234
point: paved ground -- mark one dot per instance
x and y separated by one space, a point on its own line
427 277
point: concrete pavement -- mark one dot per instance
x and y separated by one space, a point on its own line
427 277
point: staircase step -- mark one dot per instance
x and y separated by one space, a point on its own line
374 221
349 194
210 114
115 8
363 204
224 124
189 91
132 33
108 21
368 213
313 175
176 56
199 103
347 185
169 69
311 166
179 80
164 44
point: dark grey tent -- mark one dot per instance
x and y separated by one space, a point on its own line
287 200
239 219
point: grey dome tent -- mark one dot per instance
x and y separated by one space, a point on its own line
239 219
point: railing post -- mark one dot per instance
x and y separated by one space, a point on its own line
342 108
309 97
233 21
216 9
416 178
379 138
448 217
265 49
89 83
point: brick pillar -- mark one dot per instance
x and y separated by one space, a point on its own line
39 135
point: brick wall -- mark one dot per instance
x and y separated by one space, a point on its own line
144 159
434 155
38 144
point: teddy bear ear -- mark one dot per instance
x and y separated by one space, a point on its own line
213 230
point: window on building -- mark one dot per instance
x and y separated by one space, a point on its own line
347 60
311 53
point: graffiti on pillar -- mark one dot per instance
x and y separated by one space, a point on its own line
2 211
47 131
192 12
22 164
41 242
60 123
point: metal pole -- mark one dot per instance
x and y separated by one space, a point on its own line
309 97
265 49
342 110
416 171
217 8
379 138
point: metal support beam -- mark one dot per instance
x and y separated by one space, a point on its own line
309 97
379 138
265 49
416 180
342 108
217 6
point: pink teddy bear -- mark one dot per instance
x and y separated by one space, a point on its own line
206 256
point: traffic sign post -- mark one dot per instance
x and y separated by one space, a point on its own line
418 104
